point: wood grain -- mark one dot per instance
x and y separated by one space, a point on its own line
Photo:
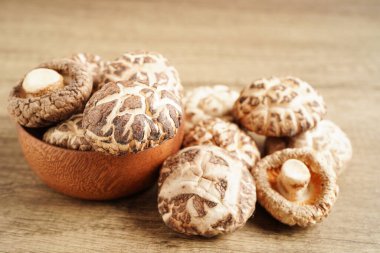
334 45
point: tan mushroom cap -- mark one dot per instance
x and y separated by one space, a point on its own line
68 134
150 68
279 107
94 64
226 135
206 102
57 104
203 190
129 116
326 139
320 194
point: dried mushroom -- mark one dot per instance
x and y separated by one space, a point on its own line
49 94
295 187
150 68
279 107
129 116
68 134
226 135
327 139
208 102
94 65
203 190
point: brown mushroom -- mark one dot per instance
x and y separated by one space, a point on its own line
129 116
226 135
206 102
203 190
94 65
295 187
279 107
326 139
149 68
68 134
49 94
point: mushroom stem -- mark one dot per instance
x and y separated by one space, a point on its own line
293 180
40 80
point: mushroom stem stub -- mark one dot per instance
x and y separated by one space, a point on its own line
293 180
40 80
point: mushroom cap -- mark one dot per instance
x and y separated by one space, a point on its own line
207 102
56 105
203 190
225 135
129 116
150 68
323 188
279 107
94 64
326 139
68 134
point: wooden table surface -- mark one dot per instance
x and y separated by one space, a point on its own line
334 45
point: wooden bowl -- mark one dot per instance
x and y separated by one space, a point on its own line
94 175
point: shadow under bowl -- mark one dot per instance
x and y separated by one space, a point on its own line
94 175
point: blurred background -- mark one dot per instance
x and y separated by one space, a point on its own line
328 43
323 42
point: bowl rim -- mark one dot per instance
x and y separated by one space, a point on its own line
25 131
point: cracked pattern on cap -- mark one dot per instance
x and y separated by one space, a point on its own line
208 102
279 107
327 139
148 68
203 190
56 105
226 135
129 116
68 134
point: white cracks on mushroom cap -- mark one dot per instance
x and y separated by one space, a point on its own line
42 79
224 134
207 102
293 180
68 134
279 107
327 139
123 106
204 190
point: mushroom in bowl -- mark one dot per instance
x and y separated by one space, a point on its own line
50 93
66 156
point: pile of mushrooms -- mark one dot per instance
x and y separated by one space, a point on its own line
123 106
296 178
137 102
